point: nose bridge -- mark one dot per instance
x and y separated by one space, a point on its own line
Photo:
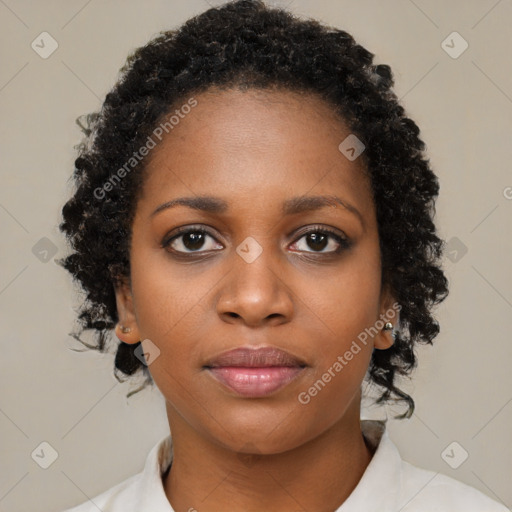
255 289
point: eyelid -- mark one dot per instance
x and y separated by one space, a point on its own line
313 228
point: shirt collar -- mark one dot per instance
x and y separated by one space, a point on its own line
378 489
151 492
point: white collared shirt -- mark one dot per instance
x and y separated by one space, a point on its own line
388 484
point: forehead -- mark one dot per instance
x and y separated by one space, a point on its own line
236 119
257 142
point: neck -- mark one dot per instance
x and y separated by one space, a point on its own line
318 475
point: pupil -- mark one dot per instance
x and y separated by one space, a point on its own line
317 238
193 241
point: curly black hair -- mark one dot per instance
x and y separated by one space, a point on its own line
247 44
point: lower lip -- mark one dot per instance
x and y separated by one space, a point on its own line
255 382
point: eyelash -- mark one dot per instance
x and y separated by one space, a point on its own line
344 243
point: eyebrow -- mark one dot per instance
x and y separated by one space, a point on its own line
292 206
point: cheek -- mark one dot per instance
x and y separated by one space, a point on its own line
169 312
345 310
344 350
348 300
165 301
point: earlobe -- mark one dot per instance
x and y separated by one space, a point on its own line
126 329
386 337
388 322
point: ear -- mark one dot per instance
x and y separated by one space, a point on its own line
126 329
389 313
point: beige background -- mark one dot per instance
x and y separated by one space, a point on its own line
71 400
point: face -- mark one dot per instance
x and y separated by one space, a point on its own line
260 264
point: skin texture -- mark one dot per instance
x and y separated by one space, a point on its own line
255 150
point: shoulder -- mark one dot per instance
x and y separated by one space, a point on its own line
118 498
424 490
143 491
395 484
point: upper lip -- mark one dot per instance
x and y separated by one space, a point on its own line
255 358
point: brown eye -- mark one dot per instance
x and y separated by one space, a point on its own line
317 241
320 239
191 240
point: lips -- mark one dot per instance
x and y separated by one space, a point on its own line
251 372
255 358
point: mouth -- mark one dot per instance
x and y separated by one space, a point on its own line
254 373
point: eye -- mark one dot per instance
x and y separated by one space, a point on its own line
197 239
321 240
190 240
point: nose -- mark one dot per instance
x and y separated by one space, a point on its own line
256 293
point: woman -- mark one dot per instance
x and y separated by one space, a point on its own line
254 219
